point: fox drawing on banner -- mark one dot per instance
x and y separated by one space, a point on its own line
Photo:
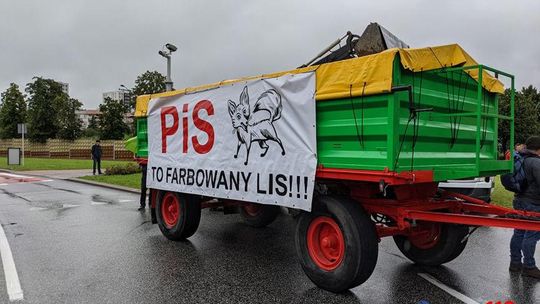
256 125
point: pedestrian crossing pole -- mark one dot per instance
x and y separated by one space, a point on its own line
21 128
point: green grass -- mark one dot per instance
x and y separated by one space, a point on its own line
501 196
56 164
129 180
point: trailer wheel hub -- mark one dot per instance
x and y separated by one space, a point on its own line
426 235
170 210
252 209
325 242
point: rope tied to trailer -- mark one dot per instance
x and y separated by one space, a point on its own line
359 134
416 114
454 104
414 111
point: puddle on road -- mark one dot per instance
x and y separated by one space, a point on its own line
101 200
48 205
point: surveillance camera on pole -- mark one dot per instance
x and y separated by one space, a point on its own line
166 52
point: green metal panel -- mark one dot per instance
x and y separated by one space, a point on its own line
142 137
455 136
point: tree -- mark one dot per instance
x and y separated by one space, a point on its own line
70 123
46 100
526 113
112 124
93 123
149 83
92 131
12 111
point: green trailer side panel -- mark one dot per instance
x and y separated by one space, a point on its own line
142 137
378 132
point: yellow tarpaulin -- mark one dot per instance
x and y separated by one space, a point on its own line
432 58
365 75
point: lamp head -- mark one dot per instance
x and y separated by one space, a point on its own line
171 47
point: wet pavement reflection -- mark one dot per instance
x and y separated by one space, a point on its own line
74 243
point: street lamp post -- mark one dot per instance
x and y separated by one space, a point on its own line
127 92
166 52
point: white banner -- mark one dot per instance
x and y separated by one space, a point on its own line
251 141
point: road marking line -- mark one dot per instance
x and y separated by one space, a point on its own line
125 200
463 298
37 208
13 285
13 175
69 206
97 203
3 184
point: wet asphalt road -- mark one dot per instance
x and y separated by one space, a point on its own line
75 243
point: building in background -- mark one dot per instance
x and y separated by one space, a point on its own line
65 87
119 95
86 115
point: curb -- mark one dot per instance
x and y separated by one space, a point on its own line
104 185
82 181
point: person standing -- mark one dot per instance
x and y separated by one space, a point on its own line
96 157
143 187
517 148
523 242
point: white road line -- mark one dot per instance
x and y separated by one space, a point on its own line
125 200
13 285
3 184
69 206
37 208
97 203
14 175
463 298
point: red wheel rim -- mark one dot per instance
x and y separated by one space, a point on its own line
426 235
252 209
325 243
170 209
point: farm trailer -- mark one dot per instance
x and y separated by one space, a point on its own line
389 127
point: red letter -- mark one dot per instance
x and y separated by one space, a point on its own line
168 131
185 129
204 126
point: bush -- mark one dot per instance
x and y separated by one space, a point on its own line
128 168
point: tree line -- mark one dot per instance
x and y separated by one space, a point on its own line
51 113
527 116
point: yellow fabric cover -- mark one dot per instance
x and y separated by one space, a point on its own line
365 75
368 75
431 58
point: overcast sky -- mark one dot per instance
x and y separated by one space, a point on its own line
96 46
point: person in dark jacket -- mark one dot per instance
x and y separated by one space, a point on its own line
523 242
143 187
96 157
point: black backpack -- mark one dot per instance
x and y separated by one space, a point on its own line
516 181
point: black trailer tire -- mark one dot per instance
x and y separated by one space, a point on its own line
178 215
462 232
446 245
337 246
259 215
